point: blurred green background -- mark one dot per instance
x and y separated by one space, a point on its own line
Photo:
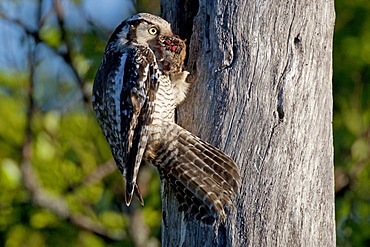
72 194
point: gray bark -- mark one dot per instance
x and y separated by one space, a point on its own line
262 92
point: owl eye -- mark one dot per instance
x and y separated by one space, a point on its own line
153 30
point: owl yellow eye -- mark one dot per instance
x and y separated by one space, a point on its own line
153 30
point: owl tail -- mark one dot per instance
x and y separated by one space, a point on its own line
205 179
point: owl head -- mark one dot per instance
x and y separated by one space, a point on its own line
143 29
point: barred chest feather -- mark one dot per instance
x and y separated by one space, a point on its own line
165 105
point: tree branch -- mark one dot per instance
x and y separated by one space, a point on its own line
67 54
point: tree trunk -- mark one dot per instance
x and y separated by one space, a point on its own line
262 92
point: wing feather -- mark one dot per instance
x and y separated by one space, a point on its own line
137 104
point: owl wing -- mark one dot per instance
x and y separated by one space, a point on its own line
139 85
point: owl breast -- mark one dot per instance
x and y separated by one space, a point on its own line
165 101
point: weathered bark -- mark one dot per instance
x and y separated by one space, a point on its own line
263 94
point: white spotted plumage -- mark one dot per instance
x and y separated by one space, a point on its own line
136 90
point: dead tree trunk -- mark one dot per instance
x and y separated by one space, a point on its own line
263 94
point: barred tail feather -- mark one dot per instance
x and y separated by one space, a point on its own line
188 201
218 163
205 179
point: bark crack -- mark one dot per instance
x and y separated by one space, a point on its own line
254 72
259 169
280 95
282 79
229 56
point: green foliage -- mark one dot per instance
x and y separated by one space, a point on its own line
352 122
152 6
71 161
67 149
